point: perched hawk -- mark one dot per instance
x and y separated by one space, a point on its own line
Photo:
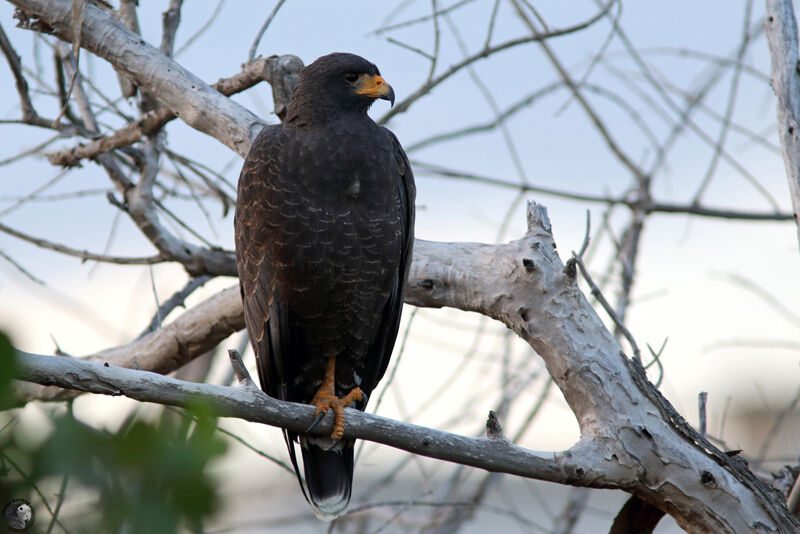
324 227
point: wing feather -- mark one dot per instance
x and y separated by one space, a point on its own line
381 349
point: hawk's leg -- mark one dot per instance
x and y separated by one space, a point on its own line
326 398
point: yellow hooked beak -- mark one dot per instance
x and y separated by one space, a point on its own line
375 87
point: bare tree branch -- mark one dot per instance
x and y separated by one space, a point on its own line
610 396
485 52
176 300
577 499
252 55
130 19
196 35
457 275
193 333
15 63
102 35
782 39
171 21
280 71
649 207
635 440
612 144
734 89
418 20
20 268
141 206
251 404
82 254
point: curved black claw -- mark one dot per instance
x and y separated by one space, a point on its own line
315 422
335 443
364 398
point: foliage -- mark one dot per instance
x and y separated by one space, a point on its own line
146 477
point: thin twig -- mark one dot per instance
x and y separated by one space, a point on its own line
388 381
424 18
78 15
534 411
20 268
596 58
700 105
62 491
436 40
496 111
600 126
35 193
183 225
684 115
36 150
252 54
158 317
702 398
34 486
196 35
577 259
485 52
196 198
410 48
82 254
492 19
177 299
732 97
657 362
777 423
629 251
701 56
14 61
655 207
576 502
762 293
241 440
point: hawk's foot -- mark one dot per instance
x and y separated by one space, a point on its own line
326 399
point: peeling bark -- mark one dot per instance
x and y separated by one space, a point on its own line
637 441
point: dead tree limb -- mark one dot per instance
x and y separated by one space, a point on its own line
639 442
782 39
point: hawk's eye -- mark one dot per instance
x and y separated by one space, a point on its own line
351 77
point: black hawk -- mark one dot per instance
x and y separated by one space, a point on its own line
324 227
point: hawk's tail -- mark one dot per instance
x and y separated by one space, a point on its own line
328 474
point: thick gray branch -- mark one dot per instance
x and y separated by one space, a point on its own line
575 466
640 443
524 285
782 39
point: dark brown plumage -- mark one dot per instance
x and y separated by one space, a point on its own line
324 228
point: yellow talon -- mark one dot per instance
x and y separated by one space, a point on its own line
326 398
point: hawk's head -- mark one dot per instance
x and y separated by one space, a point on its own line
335 84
